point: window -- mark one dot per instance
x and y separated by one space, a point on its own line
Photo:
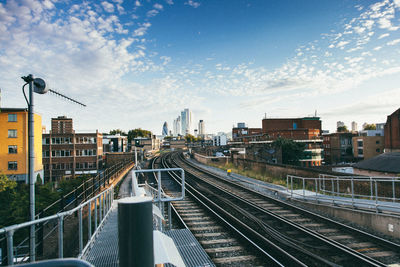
360 152
378 150
377 142
12 117
46 153
360 143
12 165
12 133
46 141
12 149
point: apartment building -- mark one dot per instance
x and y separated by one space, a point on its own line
14 158
338 147
67 153
305 130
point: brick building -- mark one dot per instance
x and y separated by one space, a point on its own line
241 133
338 147
392 132
304 130
67 153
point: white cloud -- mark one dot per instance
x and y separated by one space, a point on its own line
394 42
192 3
377 48
152 13
384 35
108 6
341 44
169 2
158 6
137 3
142 29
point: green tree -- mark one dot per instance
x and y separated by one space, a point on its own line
117 131
190 138
138 132
6 184
342 129
370 126
292 151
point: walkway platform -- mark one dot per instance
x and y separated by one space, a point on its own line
104 250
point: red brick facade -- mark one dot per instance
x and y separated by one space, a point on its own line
392 132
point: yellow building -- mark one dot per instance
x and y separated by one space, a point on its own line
14 157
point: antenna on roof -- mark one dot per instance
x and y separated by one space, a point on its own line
66 97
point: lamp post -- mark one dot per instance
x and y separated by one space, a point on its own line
39 86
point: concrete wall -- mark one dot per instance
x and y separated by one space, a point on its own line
281 170
370 220
207 160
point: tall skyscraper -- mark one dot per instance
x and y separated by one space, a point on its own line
165 129
176 127
202 130
354 126
186 121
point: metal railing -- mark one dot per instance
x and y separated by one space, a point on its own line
158 195
379 193
67 201
97 210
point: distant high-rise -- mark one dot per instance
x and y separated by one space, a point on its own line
339 124
165 129
202 130
186 121
176 127
354 126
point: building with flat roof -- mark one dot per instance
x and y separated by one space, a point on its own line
115 143
14 158
67 153
338 147
306 130
392 132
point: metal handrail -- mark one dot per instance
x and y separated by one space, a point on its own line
322 193
105 200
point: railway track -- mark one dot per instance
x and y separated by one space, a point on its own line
313 239
225 245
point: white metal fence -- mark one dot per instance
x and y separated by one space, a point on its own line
379 193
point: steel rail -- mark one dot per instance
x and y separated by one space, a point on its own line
320 237
285 258
386 243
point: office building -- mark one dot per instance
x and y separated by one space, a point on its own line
165 129
67 153
202 130
14 158
186 122
177 126
354 126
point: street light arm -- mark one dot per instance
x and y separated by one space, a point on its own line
23 91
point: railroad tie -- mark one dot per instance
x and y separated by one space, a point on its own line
233 259
217 241
223 249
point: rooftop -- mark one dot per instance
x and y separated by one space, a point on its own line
387 162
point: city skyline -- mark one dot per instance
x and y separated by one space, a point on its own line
227 61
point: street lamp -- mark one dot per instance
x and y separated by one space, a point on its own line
39 86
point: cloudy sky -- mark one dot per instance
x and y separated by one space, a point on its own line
139 63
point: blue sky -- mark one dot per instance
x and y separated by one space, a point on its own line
139 63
